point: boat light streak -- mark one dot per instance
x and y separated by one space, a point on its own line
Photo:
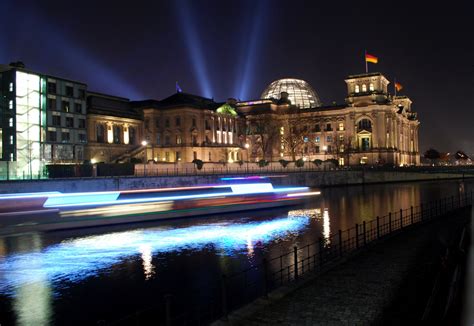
76 259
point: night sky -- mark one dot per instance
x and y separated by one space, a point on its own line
224 49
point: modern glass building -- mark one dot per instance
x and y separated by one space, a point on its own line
300 93
42 120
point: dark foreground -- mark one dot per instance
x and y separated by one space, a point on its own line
390 283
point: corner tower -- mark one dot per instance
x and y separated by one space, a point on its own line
367 89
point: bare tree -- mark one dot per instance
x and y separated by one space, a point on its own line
293 137
264 131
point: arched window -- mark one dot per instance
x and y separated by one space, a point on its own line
132 136
364 88
357 89
371 87
365 124
100 130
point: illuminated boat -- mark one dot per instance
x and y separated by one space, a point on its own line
54 210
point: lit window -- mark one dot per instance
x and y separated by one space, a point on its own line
341 126
11 139
178 139
10 104
371 87
11 156
364 88
10 122
305 139
357 90
329 139
11 87
317 139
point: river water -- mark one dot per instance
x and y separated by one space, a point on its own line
94 276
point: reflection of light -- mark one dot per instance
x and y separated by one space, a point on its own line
148 268
326 226
75 259
119 210
250 247
311 213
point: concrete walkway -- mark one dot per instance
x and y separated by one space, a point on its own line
361 290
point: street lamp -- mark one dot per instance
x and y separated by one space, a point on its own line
247 147
144 143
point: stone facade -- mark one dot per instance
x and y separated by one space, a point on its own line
373 127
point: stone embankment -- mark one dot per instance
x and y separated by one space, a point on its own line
303 178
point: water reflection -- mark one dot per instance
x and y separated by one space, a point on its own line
76 259
326 227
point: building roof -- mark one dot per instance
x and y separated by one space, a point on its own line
115 106
179 100
22 68
370 74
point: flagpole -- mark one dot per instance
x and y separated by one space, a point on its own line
395 86
366 66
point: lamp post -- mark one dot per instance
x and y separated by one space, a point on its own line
144 143
247 147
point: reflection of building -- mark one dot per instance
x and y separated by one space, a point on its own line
43 119
372 127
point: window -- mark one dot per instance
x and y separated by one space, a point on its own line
178 156
305 149
52 104
69 122
147 123
157 123
317 149
317 128
371 87
132 135
100 130
328 127
341 126
56 120
167 123
305 139
365 124
341 138
364 88
82 93
52 88
178 121
195 155
11 139
208 127
69 91
194 139
10 87
210 157
65 137
65 106
329 150
78 107
10 104
82 138
52 136
10 122
194 122
81 123
207 139
365 142
178 139
167 140
167 156
341 148
158 139
329 139
317 139
357 89
116 134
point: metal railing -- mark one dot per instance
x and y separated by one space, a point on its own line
233 291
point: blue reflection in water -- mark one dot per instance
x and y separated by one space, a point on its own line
76 259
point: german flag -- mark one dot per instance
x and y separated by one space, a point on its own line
398 86
371 58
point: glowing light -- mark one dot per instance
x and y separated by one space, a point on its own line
144 143
60 262
313 193
93 161
326 226
247 146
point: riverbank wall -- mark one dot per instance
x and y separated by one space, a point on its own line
304 178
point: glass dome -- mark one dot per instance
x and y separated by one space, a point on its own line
300 93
